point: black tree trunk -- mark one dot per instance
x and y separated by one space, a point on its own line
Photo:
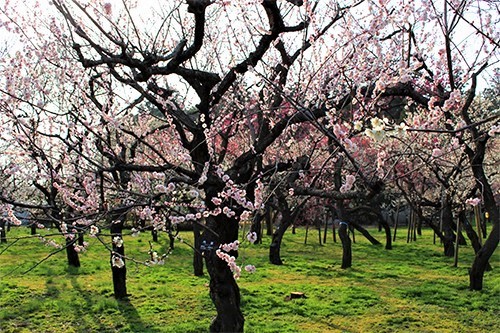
364 232
448 235
471 233
224 290
275 247
71 254
197 256
154 235
3 231
346 245
119 274
257 226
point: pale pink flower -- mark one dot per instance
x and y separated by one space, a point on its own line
94 230
107 8
436 152
250 268
473 201
245 215
252 237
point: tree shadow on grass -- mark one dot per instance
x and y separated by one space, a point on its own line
103 306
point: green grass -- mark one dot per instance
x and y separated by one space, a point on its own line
412 288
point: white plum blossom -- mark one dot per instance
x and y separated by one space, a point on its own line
349 182
93 230
358 125
494 130
252 237
250 268
117 261
118 241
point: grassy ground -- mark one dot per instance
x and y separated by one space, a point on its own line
411 288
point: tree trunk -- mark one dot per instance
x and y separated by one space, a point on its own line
275 247
270 218
197 256
257 226
326 229
334 233
387 229
396 222
346 245
471 234
448 235
481 261
71 254
154 235
364 232
119 274
3 231
318 226
224 290
476 159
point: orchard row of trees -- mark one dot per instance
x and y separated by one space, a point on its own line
214 112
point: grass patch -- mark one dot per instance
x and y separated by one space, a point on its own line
412 288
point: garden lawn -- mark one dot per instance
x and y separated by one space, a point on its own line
412 288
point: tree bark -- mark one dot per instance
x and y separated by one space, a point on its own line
364 232
346 245
154 235
481 261
257 226
275 247
224 290
197 256
3 231
448 235
119 274
71 254
471 234
270 218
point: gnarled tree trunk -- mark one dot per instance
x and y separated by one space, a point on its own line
224 290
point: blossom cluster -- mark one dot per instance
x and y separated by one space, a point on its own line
117 261
81 248
231 262
348 184
50 242
473 201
